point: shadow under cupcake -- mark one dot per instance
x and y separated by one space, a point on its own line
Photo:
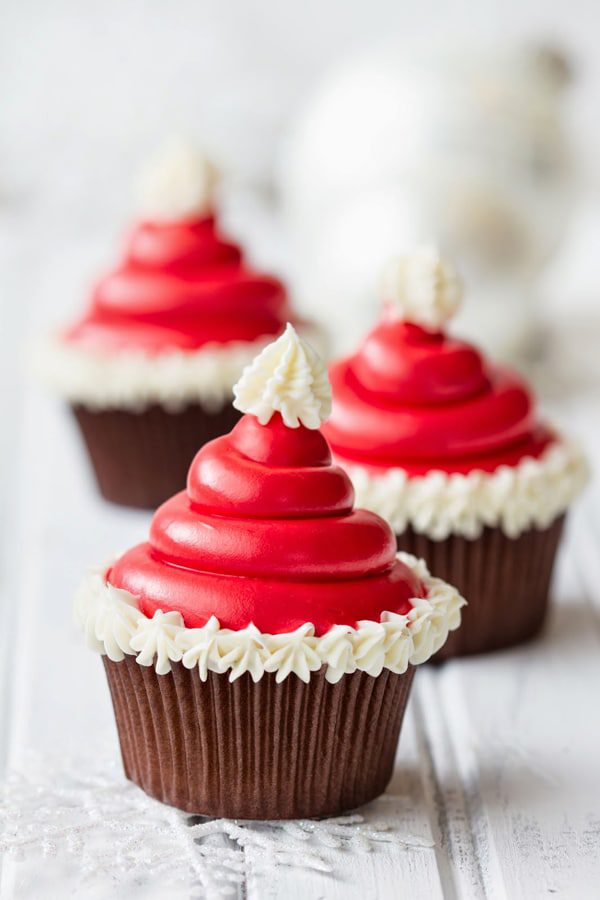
260 648
451 451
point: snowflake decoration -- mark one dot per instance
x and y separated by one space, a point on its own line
91 815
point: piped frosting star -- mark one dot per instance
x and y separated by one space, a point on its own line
288 377
177 183
156 639
422 288
109 617
293 652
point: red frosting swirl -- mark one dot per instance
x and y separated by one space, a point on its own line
422 400
180 286
266 533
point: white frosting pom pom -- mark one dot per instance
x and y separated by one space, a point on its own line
422 288
177 183
288 377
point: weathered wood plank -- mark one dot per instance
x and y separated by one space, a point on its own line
524 733
388 871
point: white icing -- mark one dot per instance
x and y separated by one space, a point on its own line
395 649
515 498
177 183
430 622
337 652
156 639
423 288
288 377
368 646
242 651
115 626
294 652
201 648
134 380
109 616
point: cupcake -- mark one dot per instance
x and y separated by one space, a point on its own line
148 369
450 449
260 647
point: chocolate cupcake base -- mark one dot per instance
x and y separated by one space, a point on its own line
141 459
259 750
506 582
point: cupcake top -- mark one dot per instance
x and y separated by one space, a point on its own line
181 313
180 283
265 543
429 414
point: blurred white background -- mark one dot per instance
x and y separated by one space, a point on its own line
91 86
87 90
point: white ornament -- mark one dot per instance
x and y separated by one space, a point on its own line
461 142
177 183
422 288
288 377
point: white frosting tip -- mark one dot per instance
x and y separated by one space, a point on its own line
178 182
288 377
422 287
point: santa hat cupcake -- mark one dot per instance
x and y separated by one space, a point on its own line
261 645
148 369
451 450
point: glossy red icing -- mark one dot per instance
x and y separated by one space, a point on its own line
266 533
420 400
180 286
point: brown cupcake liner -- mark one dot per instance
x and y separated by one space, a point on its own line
259 750
505 581
141 459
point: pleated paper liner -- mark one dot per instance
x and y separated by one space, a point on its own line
260 750
141 459
506 583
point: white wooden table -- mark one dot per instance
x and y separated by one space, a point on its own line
499 757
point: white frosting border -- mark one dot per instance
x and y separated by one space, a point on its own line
113 625
531 494
134 380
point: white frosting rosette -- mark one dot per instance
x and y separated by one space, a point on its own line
531 494
114 626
